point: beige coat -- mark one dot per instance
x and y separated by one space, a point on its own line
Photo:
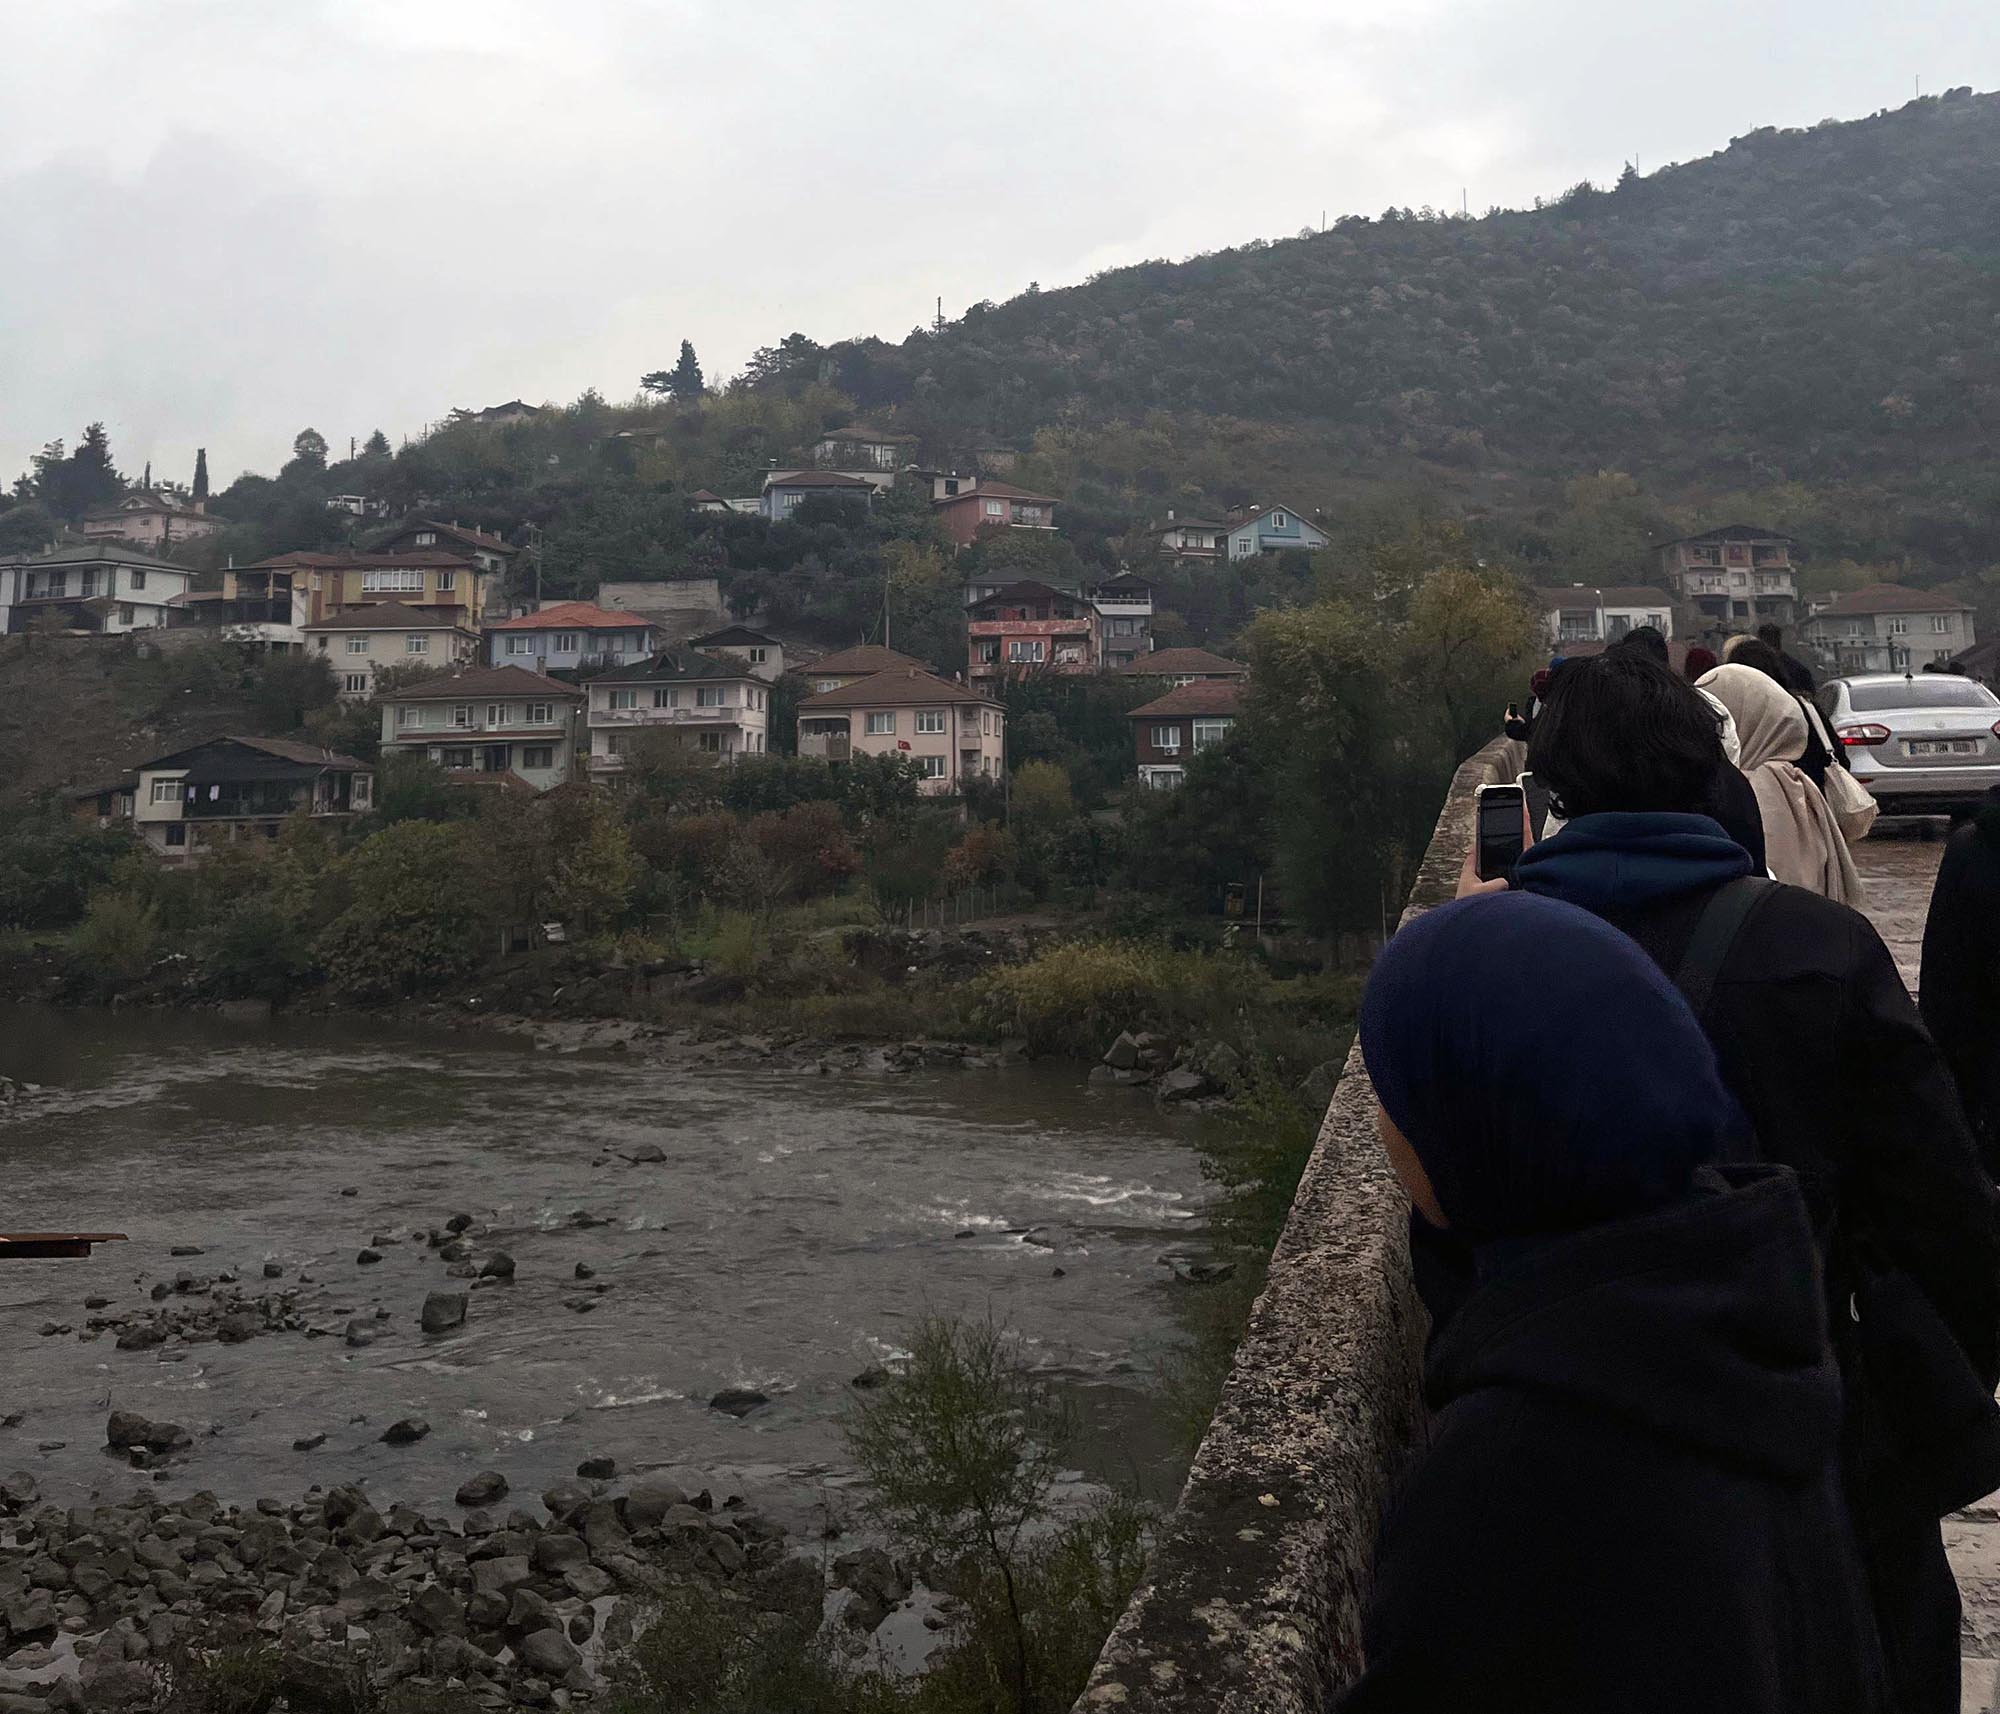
1802 840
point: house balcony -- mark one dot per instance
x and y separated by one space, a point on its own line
1124 606
623 717
827 746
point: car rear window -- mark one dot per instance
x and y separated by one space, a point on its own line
1934 691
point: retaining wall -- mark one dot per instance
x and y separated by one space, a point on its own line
1252 1600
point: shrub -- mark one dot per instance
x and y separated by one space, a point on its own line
1073 998
117 938
983 858
807 847
50 864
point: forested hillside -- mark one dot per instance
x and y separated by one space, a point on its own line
1804 304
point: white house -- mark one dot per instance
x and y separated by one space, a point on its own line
1589 613
100 590
568 634
487 726
763 655
1888 627
716 707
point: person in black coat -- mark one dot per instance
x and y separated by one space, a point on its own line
1959 988
1629 1498
1819 1040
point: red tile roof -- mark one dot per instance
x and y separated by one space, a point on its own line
1172 663
573 616
904 688
814 479
1204 696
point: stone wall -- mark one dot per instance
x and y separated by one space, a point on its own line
1252 1600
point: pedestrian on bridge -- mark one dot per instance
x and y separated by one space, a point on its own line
1819 1040
1959 988
1630 1498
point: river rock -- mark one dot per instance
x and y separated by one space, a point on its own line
239 1326
1123 1054
274 1270
875 1375
459 1223
406 1432
738 1401
435 1611
482 1490
18 1491
500 1575
1181 1085
650 1500
184 1250
368 1258
309 1442
584 1271
498 1266
443 1310
360 1332
598 1469
565 1499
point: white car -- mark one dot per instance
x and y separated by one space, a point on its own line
1923 743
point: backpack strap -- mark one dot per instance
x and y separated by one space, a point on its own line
1721 920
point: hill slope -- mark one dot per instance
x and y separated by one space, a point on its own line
1806 303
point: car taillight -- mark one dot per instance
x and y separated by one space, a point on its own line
1996 728
1868 734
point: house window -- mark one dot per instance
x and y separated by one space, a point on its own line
883 724
408 716
1167 738
1941 623
358 645
364 787
989 651
1899 627
416 644
354 684
1279 521
995 509
447 582
933 767
1027 514
458 756
708 696
426 538
520 645
710 743
930 720
127 613
663 698
166 791
1207 732
624 699
138 577
567 642
823 685
757 657
461 715
1024 649
538 755
177 834
496 714
405 579
539 715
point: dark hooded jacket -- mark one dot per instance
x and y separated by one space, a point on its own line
1960 989
1817 1037
1628 1502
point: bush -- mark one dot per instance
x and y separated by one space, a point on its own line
807 847
118 938
1075 997
49 865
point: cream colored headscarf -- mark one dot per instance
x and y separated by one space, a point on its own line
1802 840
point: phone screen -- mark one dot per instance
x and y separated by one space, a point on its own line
1499 831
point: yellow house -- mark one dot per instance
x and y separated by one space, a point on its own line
951 733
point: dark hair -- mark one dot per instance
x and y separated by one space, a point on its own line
1772 634
1649 641
1754 652
1619 731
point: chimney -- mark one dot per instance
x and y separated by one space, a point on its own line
1170 514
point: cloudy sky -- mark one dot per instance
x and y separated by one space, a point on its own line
222 220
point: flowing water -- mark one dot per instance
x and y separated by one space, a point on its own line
797 1230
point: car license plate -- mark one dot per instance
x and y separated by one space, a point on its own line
1944 746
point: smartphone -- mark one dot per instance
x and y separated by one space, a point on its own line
1498 812
1538 805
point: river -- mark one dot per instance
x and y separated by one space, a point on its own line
797 1230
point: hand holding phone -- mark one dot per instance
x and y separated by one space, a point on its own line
1500 815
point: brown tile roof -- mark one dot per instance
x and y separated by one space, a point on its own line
996 491
573 616
1732 533
1204 696
1029 589
429 557
1626 595
903 688
1890 598
862 659
1171 663
740 635
459 532
484 681
293 750
385 615
708 497
876 436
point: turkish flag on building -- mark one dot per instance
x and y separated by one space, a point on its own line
902 743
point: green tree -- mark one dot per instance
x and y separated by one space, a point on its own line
594 867
200 489
683 382
92 479
376 446
309 450
414 922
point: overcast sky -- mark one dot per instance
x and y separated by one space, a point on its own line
223 220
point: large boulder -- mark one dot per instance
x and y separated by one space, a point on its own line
483 1489
550 1653
738 1401
1123 1054
443 1310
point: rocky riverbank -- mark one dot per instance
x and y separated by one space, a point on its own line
509 1606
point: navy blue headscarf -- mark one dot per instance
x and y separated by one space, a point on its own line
1544 1070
